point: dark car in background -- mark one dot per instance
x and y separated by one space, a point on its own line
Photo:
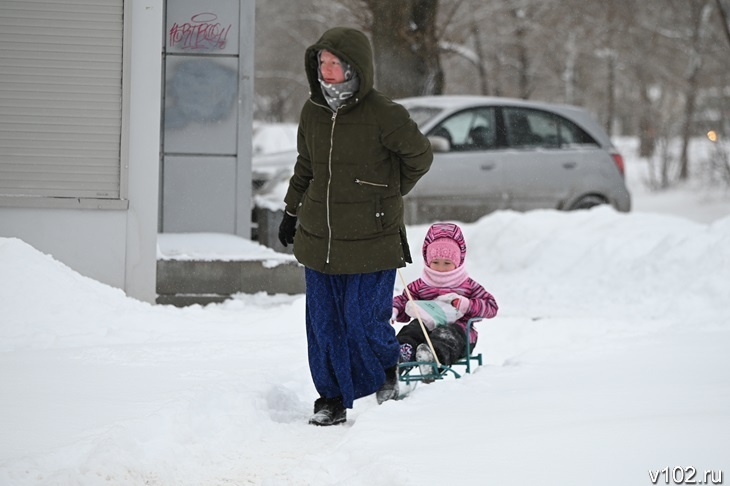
491 154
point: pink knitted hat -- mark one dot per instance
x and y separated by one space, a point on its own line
444 230
443 248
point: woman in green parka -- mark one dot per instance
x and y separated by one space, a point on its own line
359 154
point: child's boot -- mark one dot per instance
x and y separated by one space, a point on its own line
425 355
406 353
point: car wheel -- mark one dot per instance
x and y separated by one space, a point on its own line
587 202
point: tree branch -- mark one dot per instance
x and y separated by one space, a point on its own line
725 14
448 19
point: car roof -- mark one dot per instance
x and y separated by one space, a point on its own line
453 103
456 102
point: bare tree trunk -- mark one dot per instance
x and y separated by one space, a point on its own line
612 52
647 127
425 13
611 89
725 16
700 15
405 46
571 56
666 162
523 59
483 82
648 121
496 74
689 109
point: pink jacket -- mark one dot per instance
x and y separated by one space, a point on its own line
481 302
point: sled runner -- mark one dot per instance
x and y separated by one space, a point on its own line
410 371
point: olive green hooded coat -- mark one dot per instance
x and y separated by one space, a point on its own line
353 168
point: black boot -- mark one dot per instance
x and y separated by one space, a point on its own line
328 411
389 390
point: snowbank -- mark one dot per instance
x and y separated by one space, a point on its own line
608 359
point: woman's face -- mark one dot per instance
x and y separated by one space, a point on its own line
331 69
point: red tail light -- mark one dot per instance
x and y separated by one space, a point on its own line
619 162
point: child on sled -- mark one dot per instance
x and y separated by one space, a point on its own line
453 297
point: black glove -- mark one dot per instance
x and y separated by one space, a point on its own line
287 228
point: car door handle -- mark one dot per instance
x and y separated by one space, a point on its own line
487 166
569 165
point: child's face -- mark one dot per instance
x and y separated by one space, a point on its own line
442 265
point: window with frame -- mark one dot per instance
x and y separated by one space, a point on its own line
61 101
534 128
469 130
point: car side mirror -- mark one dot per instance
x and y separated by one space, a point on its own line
439 144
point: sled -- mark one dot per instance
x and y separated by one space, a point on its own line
411 373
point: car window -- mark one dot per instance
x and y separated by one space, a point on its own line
535 128
469 130
572 135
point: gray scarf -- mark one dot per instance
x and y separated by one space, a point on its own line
337 94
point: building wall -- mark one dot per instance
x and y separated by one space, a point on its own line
114 244
207 119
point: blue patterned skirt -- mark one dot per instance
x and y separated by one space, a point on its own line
349 336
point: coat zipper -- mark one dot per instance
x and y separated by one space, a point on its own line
329 182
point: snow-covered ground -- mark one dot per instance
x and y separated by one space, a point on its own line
609 363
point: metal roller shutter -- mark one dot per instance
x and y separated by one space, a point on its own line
61 98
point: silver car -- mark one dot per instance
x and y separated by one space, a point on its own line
498 153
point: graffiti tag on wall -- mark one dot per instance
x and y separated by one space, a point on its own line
201 32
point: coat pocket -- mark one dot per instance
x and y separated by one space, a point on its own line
369 183
313 216
356 221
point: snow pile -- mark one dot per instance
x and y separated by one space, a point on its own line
215 247
273 137
608 359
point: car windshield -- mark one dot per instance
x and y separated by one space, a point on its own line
422 114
